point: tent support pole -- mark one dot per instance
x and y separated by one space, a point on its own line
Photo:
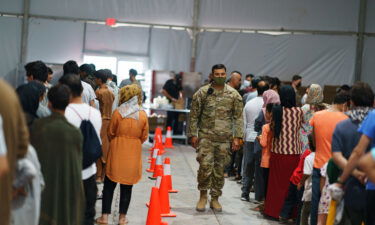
24 36
360 39
195 31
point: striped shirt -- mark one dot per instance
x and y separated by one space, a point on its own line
289 141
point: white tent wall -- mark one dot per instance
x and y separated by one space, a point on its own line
170 50
368 65
11 6
133 40
54 41
370 16
10 45
176 12
338 15
324 59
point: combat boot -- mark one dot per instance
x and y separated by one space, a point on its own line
215 205
201 205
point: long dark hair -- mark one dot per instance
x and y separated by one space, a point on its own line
277 115
287 96
288 100
29 95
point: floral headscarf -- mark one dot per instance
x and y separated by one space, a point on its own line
130 101
128 92
315 95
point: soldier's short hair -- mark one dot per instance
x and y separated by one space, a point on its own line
218 67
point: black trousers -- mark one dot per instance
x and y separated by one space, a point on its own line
90 189
293 200
125 196
172 121
265 173
370 207
239 157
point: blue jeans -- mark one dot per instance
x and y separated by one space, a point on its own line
315 196
248 168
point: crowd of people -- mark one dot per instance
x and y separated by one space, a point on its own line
308 161
59 141
302 157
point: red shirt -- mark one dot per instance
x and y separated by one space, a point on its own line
298 172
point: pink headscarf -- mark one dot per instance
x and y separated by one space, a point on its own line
270 96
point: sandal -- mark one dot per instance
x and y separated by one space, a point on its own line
100 220
123 221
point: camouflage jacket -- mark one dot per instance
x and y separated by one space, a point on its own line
217 115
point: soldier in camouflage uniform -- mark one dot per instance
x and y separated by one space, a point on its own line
216 124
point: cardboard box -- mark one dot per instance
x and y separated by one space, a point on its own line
154 122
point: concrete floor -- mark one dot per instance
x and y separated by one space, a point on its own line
184 170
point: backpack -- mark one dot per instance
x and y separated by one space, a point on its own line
92 149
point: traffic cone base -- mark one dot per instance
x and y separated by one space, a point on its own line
168 215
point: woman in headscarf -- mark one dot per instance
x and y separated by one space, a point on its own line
314 103
286 148
127 131
30 95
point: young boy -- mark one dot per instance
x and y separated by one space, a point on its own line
294 194
306 182
105 98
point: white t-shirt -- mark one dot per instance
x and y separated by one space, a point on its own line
250 113
88 93
3 147
84 112
307 170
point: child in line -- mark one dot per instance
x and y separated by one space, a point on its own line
307 183
265 140
294 197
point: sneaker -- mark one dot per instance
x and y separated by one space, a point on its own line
245 198
99 196
283 220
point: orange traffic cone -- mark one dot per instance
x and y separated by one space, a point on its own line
168 139
168 175
158 166
154 211
157 182
153 161
157 137
161 148
164 199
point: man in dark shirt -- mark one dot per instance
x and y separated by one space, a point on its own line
172 90
344 140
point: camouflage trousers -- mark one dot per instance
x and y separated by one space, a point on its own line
212 157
